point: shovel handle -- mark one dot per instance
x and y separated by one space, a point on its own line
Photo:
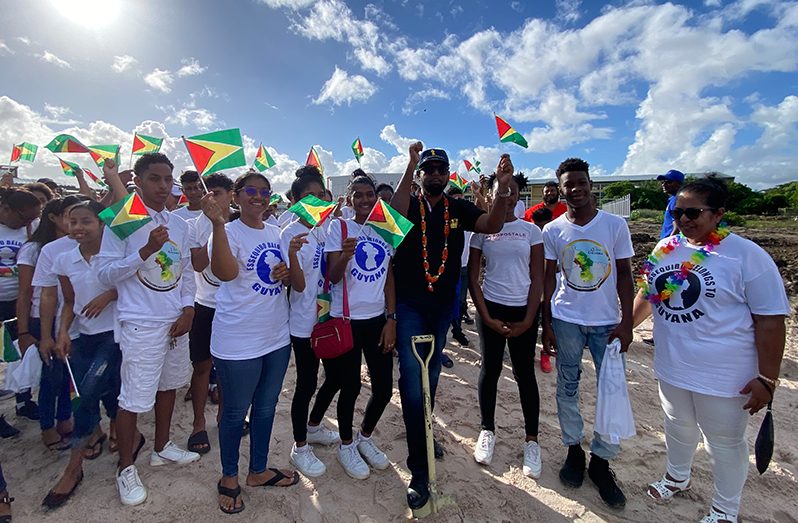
424 338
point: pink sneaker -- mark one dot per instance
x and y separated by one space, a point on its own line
545 362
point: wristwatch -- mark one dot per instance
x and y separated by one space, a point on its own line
390 316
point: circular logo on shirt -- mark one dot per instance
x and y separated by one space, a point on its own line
684 296
266 261
8 255
161 272
689 300
586 265
369 255
262 260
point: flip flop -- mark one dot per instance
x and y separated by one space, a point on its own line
54 500
199 442
58 445
95 451
232 493
278 477
6 500
113 446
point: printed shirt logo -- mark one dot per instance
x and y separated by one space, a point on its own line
262 260
320 261
683 305
8 258
585 264
369 258
161 272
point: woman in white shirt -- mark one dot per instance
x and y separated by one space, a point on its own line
718 304
507 303
94 356
250 341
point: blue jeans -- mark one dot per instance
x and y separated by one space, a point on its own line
96 360
461 306
571 341
54 401
256 382
3 485
413 322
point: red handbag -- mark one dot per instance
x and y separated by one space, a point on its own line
333 338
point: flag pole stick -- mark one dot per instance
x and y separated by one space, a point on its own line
314 227
72 377
367 217
202 176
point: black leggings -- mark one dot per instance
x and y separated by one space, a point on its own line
522 355
307 378
366 336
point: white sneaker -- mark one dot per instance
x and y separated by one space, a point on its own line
532 461
483 452
306 461
371 453
131 489
171 453
352 462
321 435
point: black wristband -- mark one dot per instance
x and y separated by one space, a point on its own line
768 386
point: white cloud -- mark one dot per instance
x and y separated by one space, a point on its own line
418 97
123 62
4 49
49 57
190 67
293 4
517 6
160 80
23 39
372 61
342 88
191 116
568 10
56 111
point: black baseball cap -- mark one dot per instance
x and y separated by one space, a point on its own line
433 155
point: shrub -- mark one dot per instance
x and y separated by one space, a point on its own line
733 219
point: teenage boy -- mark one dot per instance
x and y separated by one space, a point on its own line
191 185
594 251
156 308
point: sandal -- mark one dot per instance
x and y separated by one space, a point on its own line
278 477
96 449
54 500
199 442
232 493
716 516
187 397
58 445
667 488
113 445
6 500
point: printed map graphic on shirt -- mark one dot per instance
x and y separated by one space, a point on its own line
262 260
369 256
161 272
8 258
681 306
586 265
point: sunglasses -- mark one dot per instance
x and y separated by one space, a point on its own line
692 213
432 169
252 192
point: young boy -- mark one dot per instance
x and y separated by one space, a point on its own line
151 270
594 251
191 185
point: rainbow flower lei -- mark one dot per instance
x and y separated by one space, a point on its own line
676 280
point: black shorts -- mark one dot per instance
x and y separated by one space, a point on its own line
199 338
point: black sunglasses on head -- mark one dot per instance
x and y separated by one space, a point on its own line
691 212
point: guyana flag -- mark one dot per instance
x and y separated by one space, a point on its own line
357 148
94 177
66 143
69 168
74 393
126 216
388 223
472 166
24 152
215 151
10 351
275 199
458 181
263 160
508 134
183 201
100 153
313 159
312 210
146 144
323 304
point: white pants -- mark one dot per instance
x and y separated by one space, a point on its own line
723 422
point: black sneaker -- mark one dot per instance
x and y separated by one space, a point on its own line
6 430
438 448
467 319
29 410
572 472
446 361
604 478
460 338
417 493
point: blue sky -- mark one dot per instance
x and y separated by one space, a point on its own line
631 87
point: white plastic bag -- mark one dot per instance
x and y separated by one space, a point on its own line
25 373
614 420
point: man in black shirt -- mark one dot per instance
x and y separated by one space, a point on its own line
426 271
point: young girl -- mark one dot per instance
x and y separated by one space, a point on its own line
304 252
365 260
94 356
19 209
507 302
250 341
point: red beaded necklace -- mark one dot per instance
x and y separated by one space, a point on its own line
423 209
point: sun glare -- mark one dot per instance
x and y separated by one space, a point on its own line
90 13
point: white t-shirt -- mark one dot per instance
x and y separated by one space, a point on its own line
83 277
207 283
347 213
586 292
186 213
520 209
507 255
704 333
251 317
286 218
365 273
28 255
314 264
271 220
45 276
153 289
10 242
466 249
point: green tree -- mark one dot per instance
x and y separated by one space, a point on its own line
617 190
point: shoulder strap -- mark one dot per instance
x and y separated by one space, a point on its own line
344 235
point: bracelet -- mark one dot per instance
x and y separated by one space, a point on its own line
767 385
505 194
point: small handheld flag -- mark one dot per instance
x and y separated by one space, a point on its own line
74 393
472 166
126 216
10 350
508 134
146 144
313 210
66 143
215 151
69 168
94 177
275 199
458 181
388 223
313 159
263 160
24 152
100 153
357 148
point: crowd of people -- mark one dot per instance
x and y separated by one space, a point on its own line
220 292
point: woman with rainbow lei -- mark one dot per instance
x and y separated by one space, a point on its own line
718 304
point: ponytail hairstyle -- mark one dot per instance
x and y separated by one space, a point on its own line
359 176
301 183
